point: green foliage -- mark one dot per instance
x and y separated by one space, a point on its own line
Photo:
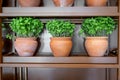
26 26
60 28
97 26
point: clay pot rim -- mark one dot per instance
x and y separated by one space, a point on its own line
62 38
27 38
101 37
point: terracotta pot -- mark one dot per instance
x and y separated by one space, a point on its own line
61 46
96 46
63 3
29 3
25 46
96 2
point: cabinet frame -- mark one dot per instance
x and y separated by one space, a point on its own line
111 62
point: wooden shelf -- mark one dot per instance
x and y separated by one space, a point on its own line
71 59
74 14
58 65
59 11
60 62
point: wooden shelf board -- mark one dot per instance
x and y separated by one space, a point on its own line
60 65
70 59
59 11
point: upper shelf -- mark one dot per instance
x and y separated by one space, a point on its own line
59 11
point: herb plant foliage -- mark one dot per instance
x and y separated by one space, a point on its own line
26 26
97 26
60 28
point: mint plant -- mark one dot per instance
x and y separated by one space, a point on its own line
60 28
26 26
97 26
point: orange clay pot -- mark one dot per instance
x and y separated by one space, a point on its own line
96 46
96 2
29 3
63 3
25 46
61 46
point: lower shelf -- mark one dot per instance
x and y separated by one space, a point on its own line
52 65
70 59
60 62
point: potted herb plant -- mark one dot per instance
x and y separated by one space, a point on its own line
96 31
27 30
61 42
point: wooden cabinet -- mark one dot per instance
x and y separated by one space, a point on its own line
74 14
